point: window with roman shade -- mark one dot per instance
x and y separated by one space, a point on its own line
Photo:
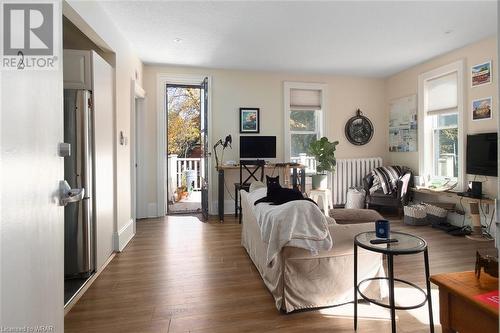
303 119
440 135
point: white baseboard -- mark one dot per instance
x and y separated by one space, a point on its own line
123 236
228 206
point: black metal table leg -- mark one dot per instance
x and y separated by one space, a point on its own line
236 194
429 295
295 184
355 287
221 195
390 267
303 180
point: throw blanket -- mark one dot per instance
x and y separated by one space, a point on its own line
295 223
386 178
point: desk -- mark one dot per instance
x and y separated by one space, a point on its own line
297 170
453 195
459 311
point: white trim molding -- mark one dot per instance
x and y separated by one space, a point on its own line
123 236
162 80
423 121
287 87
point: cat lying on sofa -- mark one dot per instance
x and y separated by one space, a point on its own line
278 195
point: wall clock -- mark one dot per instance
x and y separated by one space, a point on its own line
359 129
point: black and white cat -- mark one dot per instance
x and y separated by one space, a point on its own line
278 195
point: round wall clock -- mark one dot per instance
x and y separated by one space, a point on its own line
359 129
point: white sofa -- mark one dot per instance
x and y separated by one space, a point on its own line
298 279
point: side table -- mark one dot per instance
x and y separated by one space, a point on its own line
326 198
406 244
460 308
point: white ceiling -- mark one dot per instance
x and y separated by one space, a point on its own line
369 38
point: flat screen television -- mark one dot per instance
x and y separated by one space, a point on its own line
482 154
253 146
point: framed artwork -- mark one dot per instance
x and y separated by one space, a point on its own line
249 120
481 108
481 74
403 133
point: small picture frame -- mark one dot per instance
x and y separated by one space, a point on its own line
482 108
480 74
249 120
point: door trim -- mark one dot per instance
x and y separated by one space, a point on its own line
162 80
138 104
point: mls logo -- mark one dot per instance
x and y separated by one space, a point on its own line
29 36
28 28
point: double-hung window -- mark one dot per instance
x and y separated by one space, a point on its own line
441 149
304 107
305 127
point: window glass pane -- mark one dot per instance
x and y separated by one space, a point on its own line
303 121
446 152
442 92
300 143
447 120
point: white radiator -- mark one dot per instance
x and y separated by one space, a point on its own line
349 173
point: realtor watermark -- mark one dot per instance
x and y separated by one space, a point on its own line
30 35
38 328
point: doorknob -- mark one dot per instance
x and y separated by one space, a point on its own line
67 194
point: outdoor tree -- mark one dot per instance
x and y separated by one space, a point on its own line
183 124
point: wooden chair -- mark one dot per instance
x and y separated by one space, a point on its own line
252 168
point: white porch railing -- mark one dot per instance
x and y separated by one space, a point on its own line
308 161
176 168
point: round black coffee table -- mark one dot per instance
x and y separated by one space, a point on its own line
406 244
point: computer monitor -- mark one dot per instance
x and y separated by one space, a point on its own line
253 146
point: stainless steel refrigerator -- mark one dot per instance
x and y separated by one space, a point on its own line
79 249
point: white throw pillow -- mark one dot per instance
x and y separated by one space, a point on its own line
256 185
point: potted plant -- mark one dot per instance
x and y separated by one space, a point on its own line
324 153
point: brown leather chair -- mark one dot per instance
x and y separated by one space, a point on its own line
397 199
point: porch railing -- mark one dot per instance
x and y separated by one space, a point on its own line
177 168
308 161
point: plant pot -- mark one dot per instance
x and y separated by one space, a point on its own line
319 182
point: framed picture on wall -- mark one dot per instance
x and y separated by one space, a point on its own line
481 108
249 120
481 74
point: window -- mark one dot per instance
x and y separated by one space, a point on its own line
304 128
441 149
303 120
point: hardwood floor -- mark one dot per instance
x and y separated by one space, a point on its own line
181 275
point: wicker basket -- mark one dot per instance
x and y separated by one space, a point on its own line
415 215
436 215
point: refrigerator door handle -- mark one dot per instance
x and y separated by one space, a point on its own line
67 194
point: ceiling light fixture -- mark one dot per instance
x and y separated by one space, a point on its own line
447 32
177 40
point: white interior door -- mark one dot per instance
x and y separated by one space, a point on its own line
31 220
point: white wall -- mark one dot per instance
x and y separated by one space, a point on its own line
406 83
232 89
92 20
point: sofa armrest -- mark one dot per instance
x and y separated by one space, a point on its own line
403 185
367 183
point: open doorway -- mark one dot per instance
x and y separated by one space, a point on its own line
185 163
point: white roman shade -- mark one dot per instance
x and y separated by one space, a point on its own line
442 94
305 99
